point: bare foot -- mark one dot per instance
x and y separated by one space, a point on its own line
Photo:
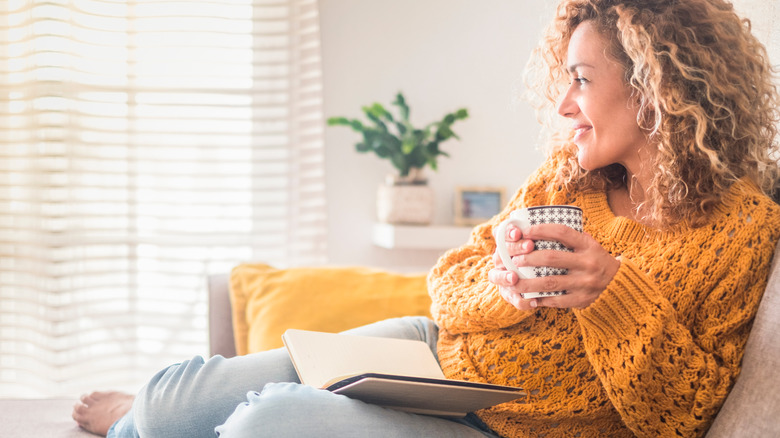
96 412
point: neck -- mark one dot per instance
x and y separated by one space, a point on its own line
628 200
631 202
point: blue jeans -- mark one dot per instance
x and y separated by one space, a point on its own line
259 395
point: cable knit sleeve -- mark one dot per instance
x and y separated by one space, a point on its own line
464 301
666 378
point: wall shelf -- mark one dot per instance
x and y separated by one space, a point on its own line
435 237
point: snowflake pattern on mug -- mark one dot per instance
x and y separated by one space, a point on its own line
569 216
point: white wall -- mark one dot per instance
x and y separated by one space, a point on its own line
443 55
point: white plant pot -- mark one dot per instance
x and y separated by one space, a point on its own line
405 204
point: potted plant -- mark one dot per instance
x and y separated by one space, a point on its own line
404 197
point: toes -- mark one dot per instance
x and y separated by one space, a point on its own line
97 395
79 412
94 397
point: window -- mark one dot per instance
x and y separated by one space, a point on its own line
144 145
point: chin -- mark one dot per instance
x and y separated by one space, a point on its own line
582 159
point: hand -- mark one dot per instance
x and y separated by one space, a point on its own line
506 279
590 267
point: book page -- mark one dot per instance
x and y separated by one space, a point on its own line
320 357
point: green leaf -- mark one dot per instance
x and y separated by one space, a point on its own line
369 112
380 112
377 142
335 121
461 114
392 142
444 132
371 137
356 125
399 162
417 158
410 147
400 102
382 151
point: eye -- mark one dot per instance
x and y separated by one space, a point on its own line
579 79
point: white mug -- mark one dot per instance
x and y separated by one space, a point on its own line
568 215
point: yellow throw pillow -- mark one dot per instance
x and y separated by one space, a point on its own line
267 301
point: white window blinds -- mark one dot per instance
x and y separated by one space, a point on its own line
144 145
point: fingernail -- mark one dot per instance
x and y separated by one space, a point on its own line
509 277
533 303
513 234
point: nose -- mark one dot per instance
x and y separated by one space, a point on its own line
567 106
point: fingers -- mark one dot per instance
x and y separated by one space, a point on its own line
505 280
514 239
551 258
501 277
515 249
512 233
517 300
508 286
515 244
583 274
568 236
590 268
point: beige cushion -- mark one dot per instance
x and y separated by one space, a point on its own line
752 409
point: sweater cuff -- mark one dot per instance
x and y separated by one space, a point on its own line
627 301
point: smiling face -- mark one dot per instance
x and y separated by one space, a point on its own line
598 102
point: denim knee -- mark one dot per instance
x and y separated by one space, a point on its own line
169 404
292 410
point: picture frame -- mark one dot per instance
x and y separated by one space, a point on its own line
475 205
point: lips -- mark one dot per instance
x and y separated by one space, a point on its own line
580 130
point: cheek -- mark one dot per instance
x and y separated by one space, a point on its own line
627 128
618 130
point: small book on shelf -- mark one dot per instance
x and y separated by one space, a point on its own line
395 373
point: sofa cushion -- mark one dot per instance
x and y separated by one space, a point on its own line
752 409
267 301
40 418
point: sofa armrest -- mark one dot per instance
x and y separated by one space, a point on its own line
221 339
753 406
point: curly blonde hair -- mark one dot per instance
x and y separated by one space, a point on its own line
705 92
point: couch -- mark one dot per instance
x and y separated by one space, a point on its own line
751 410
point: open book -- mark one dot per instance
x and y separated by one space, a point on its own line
395 373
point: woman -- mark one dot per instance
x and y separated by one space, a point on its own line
672 123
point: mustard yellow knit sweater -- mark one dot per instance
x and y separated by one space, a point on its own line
655 355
